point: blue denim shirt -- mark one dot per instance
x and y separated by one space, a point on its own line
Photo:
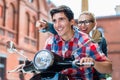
50 28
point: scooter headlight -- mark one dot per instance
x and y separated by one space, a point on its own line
43 59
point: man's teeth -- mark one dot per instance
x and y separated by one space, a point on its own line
59 29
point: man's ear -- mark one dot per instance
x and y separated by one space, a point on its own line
73 22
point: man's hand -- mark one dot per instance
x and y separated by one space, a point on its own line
40 24
87 61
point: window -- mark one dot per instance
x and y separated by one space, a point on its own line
48 1
2 32
1 11
27 24
26 40
2 68
101 30
33 43
10 17
33 28
11 35
30 1
21 75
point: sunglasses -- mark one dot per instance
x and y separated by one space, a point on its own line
85 22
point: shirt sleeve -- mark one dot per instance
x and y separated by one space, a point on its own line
48 43
96 52
50 29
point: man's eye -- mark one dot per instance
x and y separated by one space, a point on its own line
61 18
53 21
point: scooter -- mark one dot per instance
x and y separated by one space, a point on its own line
45 65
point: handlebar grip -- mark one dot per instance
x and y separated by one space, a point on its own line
85 64
77 63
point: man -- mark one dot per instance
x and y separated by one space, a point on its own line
87 24
69 40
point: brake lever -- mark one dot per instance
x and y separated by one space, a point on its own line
24 68
17 69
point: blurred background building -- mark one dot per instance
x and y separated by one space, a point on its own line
17 23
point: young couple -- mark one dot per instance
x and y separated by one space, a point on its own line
66 39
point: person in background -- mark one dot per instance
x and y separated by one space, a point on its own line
87 24
66 40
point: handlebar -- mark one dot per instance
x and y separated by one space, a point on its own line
75 63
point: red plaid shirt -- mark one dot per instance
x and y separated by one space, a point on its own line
65 48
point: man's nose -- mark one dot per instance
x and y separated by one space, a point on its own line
57 24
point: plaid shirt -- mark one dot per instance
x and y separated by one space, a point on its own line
65 48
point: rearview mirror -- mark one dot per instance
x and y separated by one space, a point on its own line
10 46
11 49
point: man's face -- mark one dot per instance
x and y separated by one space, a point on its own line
86 23
61 24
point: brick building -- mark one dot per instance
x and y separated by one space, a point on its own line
17 23
110 25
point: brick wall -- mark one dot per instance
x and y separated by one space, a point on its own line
111 26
